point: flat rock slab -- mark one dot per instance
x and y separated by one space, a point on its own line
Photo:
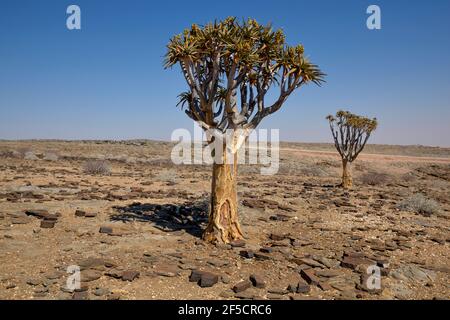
166 270
354 262
242 286
47 224
309 276
130 275
105 229
90 275
204 278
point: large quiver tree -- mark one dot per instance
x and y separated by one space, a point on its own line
350 133
229 68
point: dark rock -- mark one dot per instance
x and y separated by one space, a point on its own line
203 278
41 214
90 275
354 262
79 213
242 286
325 286
309 276
196 275
258 281
90 214
237 243
208 280
107 230
303 288
261 257
47 223
117 274
249 254
277 237
130 275
266 249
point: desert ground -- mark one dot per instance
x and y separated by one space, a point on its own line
135 232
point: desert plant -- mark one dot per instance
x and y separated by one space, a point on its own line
167 176
98 167
350 133
23 151
221 61
29 155
420 204
51 156
372 178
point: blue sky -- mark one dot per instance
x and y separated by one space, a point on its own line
106 81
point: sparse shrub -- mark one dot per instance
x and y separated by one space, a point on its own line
29 155
51 156
167 176
23 151
374 178
10 154
97 167
408 177
420 204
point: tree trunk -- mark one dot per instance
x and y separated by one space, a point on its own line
223 225
347 180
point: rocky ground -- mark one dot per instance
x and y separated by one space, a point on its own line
135 233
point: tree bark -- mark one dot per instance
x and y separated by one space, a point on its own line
347 180
223 225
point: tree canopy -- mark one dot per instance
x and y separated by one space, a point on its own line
229 68
350 133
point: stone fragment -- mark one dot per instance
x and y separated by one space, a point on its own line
130 275
79 213
242 286
249 254
90 275
258 281
47 224
309 276
107 230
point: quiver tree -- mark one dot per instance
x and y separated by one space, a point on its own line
229 67
350 133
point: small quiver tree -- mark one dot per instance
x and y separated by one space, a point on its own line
350 133
229 67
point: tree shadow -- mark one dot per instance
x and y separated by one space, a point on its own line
191 217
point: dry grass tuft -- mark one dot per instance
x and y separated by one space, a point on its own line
420 204
98 167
